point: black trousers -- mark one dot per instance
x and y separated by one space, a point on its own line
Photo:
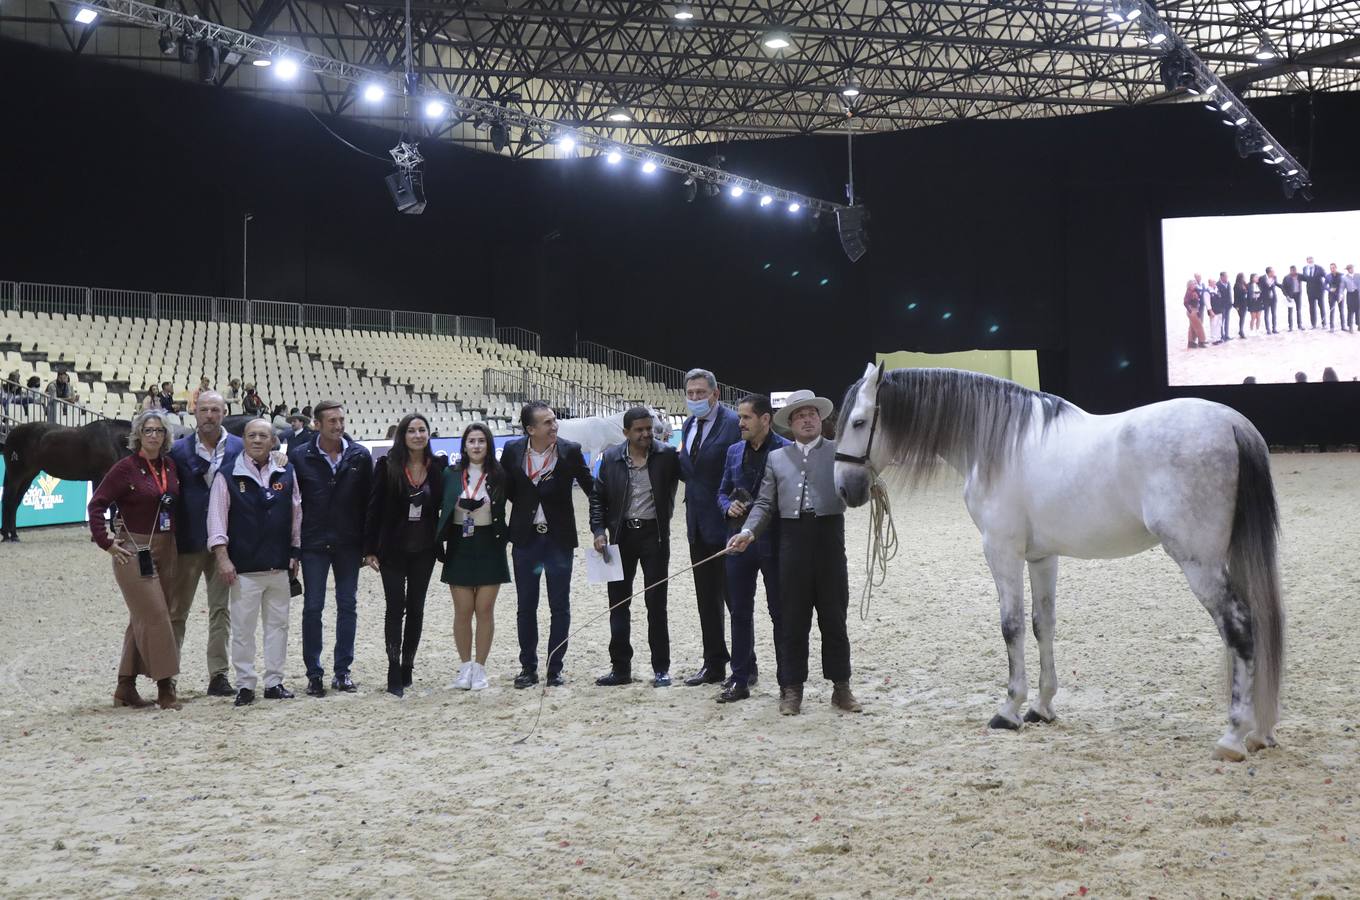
1333 302
710 586
405 578
640 545
1272 323
813 576
1294 305
1241 318
1353 309
1314 309
761 559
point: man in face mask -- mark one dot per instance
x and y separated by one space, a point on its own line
710 429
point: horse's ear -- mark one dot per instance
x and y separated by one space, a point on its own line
869 372
879 376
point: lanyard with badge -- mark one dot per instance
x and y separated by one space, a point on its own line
417 495
145 564
470 502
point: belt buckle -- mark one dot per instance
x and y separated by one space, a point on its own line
541 527
633 523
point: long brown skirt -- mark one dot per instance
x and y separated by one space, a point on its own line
149 643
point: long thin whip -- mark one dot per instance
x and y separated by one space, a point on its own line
543 692
882 545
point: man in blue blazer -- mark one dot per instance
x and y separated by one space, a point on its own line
705 436
736 495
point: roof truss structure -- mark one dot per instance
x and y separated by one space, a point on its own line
710 78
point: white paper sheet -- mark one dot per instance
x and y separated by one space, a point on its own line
600 572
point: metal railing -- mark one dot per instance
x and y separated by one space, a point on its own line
65 299
522 338
634 365
575 400
20 404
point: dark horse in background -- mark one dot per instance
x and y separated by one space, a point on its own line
73 454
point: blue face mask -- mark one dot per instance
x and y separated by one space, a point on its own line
698 407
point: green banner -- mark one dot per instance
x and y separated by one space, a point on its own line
52 501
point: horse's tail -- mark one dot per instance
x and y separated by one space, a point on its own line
1253 573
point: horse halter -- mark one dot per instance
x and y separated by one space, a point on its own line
863 458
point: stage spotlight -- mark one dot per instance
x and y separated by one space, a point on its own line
1178 72
435 109
736 190
1292 172
766 200
566 143
691 188
776 40
1122 11
619 114
1225 105
1157 38
207 63
374 93
263 62
286 69
1240 120
614 158
85 15
1265 50
500 136
188 51
168 43
795 206
683 13
850 90
1211 90
648 167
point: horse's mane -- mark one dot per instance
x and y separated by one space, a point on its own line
924 414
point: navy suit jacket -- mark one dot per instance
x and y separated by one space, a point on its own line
734 476
702 474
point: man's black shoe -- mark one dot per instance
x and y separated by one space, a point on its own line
734 693
315 688
555 679
706 675
278 692
219 686
754 679
344 683
526 678
614 678
245 697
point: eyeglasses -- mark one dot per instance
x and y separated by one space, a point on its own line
149 431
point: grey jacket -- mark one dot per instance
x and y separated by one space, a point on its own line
782 487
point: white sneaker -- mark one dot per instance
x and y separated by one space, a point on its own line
464 679
479 682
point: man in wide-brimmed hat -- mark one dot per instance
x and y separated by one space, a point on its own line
799 487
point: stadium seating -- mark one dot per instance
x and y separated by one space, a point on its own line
379 375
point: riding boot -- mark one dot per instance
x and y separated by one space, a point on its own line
394 685
165 696
408 665
126 693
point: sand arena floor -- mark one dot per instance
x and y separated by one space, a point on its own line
636 792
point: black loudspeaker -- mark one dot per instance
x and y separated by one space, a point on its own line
850 222
407 188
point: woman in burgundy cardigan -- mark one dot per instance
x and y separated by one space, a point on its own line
142 493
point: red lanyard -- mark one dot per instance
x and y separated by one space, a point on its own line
411 481
475 490
528 461
163 479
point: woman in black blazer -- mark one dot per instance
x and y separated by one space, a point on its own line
472 522
1240 301
399 539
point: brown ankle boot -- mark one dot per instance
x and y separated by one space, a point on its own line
790 700
165 698
841 698
126 693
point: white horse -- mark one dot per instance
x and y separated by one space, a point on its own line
1044 479
597 433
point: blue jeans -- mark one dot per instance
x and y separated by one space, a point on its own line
761 558
316 566
542 555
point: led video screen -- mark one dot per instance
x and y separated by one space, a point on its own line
1262 299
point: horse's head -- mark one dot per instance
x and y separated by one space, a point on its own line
856 463
661 427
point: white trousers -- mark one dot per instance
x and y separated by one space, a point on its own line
250 594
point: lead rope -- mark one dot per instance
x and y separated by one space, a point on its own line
882 545
543 692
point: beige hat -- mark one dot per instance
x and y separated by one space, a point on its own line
797 400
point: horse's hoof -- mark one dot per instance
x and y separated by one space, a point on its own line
1034 716
1000 721
1229 751
1256 743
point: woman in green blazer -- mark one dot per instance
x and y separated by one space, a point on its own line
471 539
